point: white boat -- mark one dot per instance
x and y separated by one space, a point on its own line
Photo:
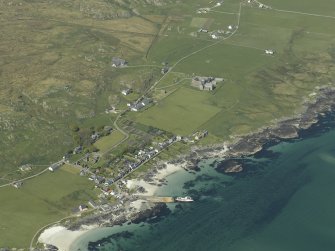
184 199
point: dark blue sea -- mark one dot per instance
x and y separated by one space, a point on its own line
284 200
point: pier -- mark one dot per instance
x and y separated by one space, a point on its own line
155 199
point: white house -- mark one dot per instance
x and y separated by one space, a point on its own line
134 109
126 92
214 36
17 184
25 168
269 52
54 166
83 207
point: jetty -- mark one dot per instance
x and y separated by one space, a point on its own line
155 199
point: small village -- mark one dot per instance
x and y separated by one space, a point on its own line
108 178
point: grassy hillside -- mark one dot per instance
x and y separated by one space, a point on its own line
57 80
56 70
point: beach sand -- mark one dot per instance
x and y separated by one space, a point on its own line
60 237
151 188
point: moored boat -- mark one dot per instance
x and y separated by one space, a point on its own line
184 199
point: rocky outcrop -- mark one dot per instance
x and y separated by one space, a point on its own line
158 210
229 166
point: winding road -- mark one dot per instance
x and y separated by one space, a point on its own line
115 123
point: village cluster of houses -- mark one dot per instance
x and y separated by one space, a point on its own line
142 156
102 204
205 83
140 104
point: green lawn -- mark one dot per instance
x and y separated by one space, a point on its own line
105 143
39 201
183 112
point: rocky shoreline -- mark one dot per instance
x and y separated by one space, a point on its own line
229 152
120 217
246 145
285 129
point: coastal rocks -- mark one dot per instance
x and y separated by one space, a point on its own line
285 131
118 221
234 169
141 190
229 166
119 218
247 146
160 209
253 143
95 246
287 128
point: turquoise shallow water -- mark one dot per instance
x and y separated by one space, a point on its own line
284 201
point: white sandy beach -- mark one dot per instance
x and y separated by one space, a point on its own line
60 237
150 188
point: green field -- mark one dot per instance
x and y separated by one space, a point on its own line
258 89
107 142
38 202
183 112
